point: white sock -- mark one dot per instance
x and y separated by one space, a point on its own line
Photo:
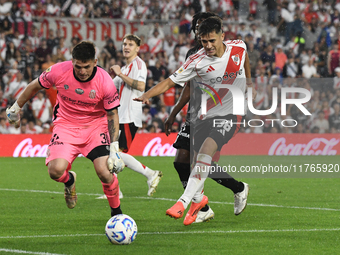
136 166
196 180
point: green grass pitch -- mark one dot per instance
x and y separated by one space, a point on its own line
283 215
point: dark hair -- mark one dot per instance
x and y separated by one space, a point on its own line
198 16
209 25
84 51
134 38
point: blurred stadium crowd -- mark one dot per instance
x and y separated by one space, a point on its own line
292 43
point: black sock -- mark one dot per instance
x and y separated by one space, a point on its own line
115 211
226 180
183 170
70 180
205 208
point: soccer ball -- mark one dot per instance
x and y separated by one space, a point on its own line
121 229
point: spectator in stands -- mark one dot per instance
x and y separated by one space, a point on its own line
252 10
280 57
287 18
255 33
155 42
39 11
48 62
321 123
53 9
77 9
129 12
254 56
3 126
334 119
175 61
115 10
271 6
42 108
64 50
333 59
42 51
5 8
309 70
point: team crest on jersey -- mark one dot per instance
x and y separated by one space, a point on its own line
92 94
79 91
66 86
236 59
180 70
49 69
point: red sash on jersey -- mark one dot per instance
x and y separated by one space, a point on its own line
155 47
123 84
42 109
80 11
3 47
260 102
18 92
129 13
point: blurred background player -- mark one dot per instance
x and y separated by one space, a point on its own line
130 82
224 57
79 123
184 156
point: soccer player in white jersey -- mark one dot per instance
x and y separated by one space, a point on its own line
217 63
130 81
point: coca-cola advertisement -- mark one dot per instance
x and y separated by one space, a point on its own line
161 145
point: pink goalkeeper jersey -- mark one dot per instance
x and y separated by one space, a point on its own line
80 104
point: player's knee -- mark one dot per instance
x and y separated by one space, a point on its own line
56 170
104 175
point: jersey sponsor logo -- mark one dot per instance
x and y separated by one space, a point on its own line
226 77
92 94
236 59
210 69
79 91
49 69
66 86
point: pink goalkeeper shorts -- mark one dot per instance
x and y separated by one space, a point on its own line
68 143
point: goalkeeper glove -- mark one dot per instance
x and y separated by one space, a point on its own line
115 163
13 115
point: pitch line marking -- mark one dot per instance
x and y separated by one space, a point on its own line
181 232
28 252
171 199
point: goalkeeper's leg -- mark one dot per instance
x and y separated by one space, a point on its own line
110 184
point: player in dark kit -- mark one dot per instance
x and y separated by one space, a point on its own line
183 158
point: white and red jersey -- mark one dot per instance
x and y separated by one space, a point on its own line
14 88
336 82
155 44
129 13
143 11
42 109
80 104
131 111
78 10
207 72
226 5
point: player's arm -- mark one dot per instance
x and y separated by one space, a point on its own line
248 76
160 88
12 113
135 84
114 162
182 101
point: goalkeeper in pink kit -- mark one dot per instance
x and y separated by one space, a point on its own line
85 121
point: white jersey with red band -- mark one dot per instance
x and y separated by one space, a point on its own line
207 72
129 110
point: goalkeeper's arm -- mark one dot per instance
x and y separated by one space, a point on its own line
114 162
13 113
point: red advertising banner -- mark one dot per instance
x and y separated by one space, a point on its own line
161 145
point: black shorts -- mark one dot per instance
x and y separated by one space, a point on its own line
216 128
183 138
127 134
